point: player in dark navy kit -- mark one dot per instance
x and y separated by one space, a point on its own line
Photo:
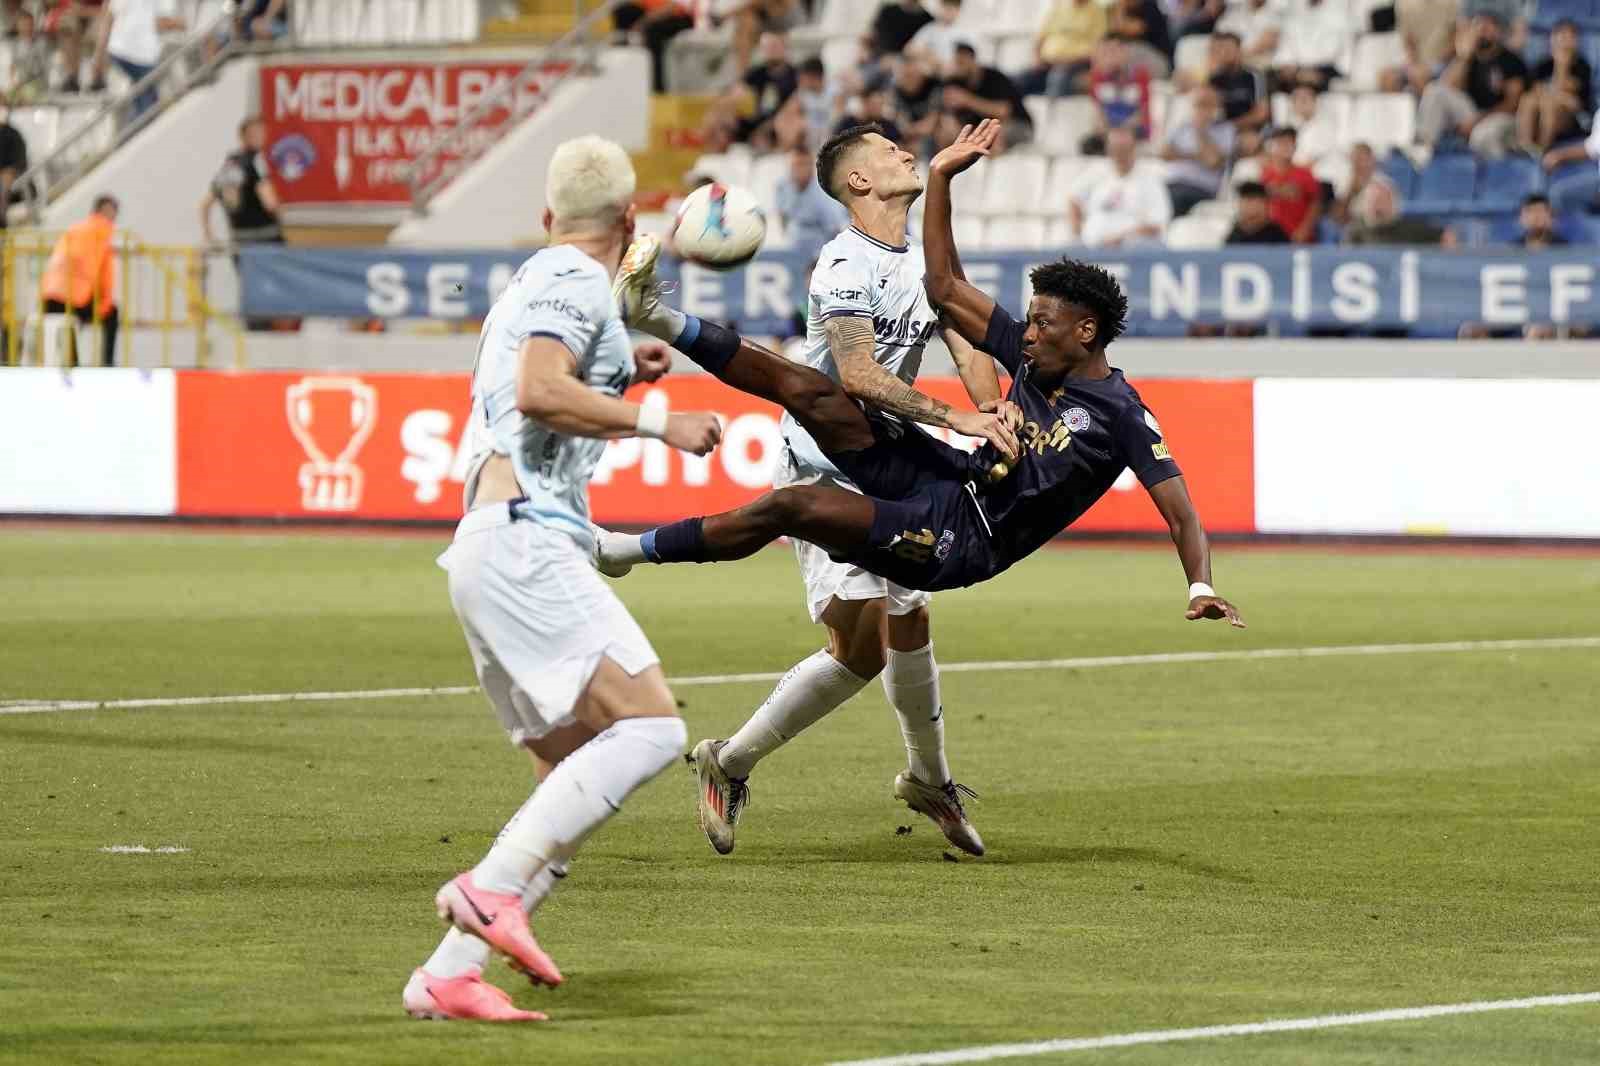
934 517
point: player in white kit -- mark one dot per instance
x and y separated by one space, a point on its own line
567 670
868 322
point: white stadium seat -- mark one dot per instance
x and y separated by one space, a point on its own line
1016 181
1063 173
1192 54
967 190
1015 55
1213 209
968 231
849 18
1016 232
1192 233
1060 233
1373 54
999 16
1384 120
839 54
1038 110
1071 120
765 173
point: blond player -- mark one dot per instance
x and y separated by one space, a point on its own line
567 670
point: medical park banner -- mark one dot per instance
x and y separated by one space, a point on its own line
1424 291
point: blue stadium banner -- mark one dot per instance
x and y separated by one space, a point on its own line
1423 291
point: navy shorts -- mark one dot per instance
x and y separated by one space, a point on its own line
928 532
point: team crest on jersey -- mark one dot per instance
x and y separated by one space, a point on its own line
947 543
292 157
1077 419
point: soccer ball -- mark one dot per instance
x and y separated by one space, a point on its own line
719 226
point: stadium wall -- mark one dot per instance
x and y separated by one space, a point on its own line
1271 455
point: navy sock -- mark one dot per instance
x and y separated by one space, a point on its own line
679 542
710 345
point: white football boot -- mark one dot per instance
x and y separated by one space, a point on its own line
638 293
943 807
603 562
722 798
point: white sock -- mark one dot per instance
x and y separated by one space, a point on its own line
461 953
911 681
810 689
587 788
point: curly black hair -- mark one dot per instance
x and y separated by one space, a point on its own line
834 148
1090 287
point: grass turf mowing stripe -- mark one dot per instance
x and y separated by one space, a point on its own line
1157 659
991 1052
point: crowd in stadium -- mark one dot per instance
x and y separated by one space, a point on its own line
1454 123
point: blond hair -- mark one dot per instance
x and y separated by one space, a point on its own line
590 183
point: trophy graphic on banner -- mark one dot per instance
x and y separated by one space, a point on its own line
331 417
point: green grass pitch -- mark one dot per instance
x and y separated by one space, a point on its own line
1170 845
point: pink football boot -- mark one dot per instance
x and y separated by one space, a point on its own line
496 919
468 998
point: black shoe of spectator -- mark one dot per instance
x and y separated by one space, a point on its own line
97 86
71 86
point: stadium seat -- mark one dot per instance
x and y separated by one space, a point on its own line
967 189
1191 55
1213 209
766 171
1038 110
997 16
1397 167
38 128
839 54
1191 232
1375 53
1551 11
1016 232
968 231
1244 170
1504 182
1016 181
1060 233
1014 55
1445 185
1384 120
846 18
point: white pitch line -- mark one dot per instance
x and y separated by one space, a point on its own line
140 849
989 1052
982 666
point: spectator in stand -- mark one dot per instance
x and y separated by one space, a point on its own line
1426 27
1117 204
915 99
809 115
1363 172
1316 132
653 24
81 277
973 93
1538 234
1197 152
130 36
934 46
69 23
1257 25
13 161
872 109
1560 95
1313 44
1575 191
1294 193
811 218
30 58
243 186
1478 94
897 23
745 112
1254 224
1068 34
1377 221
1143 25
1121 93
1243 92
872 68
1194 16
753 19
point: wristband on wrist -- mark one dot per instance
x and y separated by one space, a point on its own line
1200 588
652 422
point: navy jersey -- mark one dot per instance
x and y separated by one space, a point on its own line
1077 440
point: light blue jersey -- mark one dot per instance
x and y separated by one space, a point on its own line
860 276
563 294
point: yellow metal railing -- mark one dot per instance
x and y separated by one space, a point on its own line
160 287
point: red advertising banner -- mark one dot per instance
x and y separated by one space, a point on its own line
396 446
348 132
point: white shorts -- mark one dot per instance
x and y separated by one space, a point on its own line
538 619
827 580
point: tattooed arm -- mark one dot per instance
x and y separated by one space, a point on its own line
852 342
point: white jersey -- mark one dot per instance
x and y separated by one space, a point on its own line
857 275
560 293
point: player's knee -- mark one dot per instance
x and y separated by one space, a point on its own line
790 509
807 390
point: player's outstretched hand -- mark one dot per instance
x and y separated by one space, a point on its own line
651 361
1214 607
990 427
970 145
696 432
1009 412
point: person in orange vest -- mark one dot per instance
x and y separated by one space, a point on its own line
81 276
